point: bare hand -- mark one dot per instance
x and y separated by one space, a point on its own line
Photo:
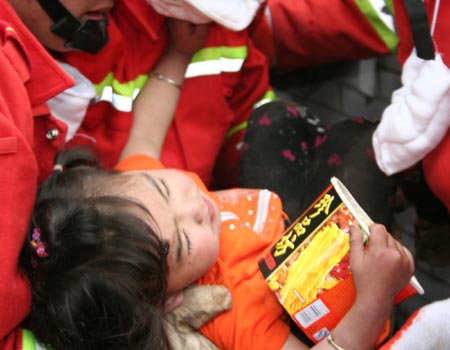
381 270
185 37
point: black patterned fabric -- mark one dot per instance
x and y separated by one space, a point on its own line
288 150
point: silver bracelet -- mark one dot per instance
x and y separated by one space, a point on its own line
162 77
330 340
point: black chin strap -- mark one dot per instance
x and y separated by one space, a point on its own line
90 36
54 9
420 29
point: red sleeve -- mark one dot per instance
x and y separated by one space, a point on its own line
139 162
311 32
18 174
13 341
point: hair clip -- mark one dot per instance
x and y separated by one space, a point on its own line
37 244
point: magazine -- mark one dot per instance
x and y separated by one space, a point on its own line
308 268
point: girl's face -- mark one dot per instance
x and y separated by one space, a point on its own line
188 219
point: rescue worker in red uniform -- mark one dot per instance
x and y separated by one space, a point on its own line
224 82
29 77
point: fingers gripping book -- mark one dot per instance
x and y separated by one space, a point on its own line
308 269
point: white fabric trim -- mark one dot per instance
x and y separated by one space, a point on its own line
40 346
214 67
427 330
262 102
262 211
418 116
233 14
388 20
179 9
120 102
70 106
435 14
228 215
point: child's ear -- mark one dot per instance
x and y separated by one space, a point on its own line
173 301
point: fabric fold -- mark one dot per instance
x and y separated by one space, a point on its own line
70 106
417 118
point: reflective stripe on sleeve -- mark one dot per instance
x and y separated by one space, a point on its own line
120 95
29 341
217 60
269 96
207 61
382 22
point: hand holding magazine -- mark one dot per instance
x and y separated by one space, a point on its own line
308 268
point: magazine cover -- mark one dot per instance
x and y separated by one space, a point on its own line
308 268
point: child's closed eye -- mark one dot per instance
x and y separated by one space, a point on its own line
188 242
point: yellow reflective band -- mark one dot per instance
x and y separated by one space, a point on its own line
269 96
28 340
215 53
383 23
120 95
125 89
236 129
207 61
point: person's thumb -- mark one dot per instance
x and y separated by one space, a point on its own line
356 245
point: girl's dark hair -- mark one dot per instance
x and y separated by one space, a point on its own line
104 278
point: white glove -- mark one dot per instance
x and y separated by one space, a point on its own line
427 329
417 118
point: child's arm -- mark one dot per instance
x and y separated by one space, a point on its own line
155 106
379 273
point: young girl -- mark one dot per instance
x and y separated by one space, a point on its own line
109 251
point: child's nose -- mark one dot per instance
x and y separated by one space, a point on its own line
195 210
194 207
199 215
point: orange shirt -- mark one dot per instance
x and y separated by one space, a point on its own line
252 220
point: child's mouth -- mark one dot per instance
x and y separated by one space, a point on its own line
96 15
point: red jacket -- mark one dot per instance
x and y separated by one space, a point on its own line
311 32
28 78
225 80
